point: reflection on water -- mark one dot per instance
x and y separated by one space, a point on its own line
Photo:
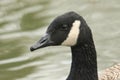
22 22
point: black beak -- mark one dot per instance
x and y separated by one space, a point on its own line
43 42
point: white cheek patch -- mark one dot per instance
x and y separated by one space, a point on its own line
73 34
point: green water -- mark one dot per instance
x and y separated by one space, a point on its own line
22 22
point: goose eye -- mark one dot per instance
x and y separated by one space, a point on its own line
64 27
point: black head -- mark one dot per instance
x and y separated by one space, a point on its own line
69 29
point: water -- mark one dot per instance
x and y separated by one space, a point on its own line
22 22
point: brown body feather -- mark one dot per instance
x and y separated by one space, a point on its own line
112 73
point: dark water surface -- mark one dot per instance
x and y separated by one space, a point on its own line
22 22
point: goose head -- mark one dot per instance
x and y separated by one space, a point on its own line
69 29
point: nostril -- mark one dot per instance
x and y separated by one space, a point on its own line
43 41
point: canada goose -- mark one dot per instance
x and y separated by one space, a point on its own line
70 29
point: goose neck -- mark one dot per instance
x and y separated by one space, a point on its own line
84 63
